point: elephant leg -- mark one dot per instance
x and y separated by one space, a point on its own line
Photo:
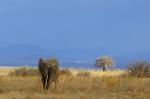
49 80
56 83
44 82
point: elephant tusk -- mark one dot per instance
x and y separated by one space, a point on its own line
46 80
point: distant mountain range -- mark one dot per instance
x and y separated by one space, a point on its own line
26 54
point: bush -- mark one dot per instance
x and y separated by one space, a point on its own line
66 72
139 69
84 74
24 71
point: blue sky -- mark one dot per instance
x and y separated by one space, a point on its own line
122 25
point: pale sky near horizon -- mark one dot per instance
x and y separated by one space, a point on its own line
58 24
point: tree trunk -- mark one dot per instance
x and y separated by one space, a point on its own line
104 68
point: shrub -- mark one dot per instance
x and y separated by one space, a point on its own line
139 69
66 72
24 71
84 74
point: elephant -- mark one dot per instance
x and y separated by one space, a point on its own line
49 70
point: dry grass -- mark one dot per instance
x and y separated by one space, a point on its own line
98 73
76 87
6 71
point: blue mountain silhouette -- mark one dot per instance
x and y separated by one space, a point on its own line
28 54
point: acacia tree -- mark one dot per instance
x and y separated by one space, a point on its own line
104 62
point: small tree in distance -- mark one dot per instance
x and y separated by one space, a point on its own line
104 62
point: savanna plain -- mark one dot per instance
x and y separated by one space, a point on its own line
73 84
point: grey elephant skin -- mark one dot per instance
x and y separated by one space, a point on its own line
49 70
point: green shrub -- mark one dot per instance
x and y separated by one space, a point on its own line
83 74
24 71
66 72
139 69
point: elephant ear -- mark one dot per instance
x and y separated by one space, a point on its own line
41 61
52 65
54 61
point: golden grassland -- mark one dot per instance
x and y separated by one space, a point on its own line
98 85
97 73
5 71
